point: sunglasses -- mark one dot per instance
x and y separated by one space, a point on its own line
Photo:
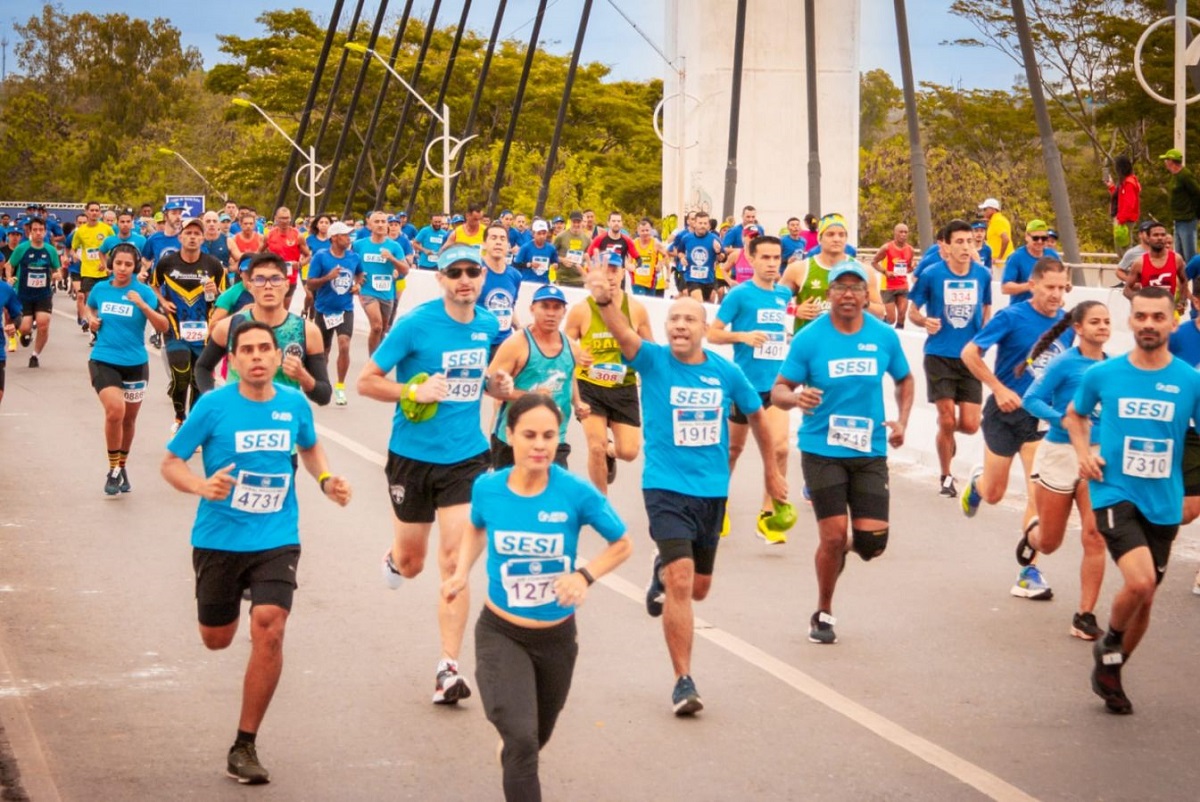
1039 239
263 281
454 272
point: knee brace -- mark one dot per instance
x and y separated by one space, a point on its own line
870 544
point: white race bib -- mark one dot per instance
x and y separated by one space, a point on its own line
381 282
36 281
93 254
1147 458
608 372
697 427
850 431
643 270
134 391
575 257
900 268
775 348
464 384
193 331
540 264
260 493
959 293
504 316
530 583
334 320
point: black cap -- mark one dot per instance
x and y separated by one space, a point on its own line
576 215
1146 225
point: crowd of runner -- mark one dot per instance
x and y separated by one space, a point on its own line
809 325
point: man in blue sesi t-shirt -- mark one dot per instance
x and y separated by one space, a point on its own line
840 359
687 392
1146 400
383 263
335 276
439 355
957 298
1008 428
246 534
536 258
428 242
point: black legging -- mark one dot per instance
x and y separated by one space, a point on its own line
524 676
181 364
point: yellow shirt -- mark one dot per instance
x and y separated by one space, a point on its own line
996 226
461 237
87 240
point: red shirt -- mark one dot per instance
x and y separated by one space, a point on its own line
1165 276
898 262
286 245
622 245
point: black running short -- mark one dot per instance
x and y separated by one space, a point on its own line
685 527
419 489
706 290
1191 464
837 483
3 368
221 576
32 306
948 377
1125 528
343 329
502 454
735 414
618 404
1005 432
105 374
87 282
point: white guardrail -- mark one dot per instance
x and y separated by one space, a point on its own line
922 426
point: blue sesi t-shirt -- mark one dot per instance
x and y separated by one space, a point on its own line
499 296
257 438
748 307
431 239
427 340
1019 267
380 274
533 540
1144 416
334 297
121 338
685 409
1048 396
1014 330
958 301
848 369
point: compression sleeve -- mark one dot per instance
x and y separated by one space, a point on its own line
206 364
322 391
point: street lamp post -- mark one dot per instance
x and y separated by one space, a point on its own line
188 164
450 145
314 170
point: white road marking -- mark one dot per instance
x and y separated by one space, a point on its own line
961 769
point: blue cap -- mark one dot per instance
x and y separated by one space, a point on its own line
848 268
401 213
1052 233
558 219
615 259
979 224
459 253
393 219
506 211
172 205
548 292
456 219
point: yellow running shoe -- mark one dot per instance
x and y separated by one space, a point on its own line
772 537
725 525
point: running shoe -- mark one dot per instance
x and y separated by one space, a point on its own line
451 687
725 526
339 397
156 340
91 339
1026 554
391 576
1084 626
820 628
244 767
656 594
33 362
83 326
12 343
970 496
1106 678
684 698
1032 585
948 489
26 339
125 486
771 537
112 482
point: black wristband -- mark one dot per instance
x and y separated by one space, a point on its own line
587 575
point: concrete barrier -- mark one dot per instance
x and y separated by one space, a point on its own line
919 447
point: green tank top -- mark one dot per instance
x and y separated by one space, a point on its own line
816 284
289 333
543 374
608 368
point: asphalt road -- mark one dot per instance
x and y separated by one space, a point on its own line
942 685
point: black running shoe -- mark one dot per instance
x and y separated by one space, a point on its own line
125 486
244 767
1084 626
34 363
820 628
684 698
655 592
948 489
1106 678
112 482
26 339
156 340
1025 552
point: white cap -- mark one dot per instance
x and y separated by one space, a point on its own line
340 228
990 203
540 225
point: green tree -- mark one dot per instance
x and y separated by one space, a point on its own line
880 100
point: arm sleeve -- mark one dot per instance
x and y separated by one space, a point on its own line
206 363
318 366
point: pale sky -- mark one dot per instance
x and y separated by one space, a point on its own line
609 39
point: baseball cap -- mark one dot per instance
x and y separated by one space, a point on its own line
1174 154
576 215
506 211
415 411
548 292
1036 225
752 229
990 203
979 224
848 268
192 221
158 217
558 219
459 253
1053 234
540 225
393 218
615 259
172 205
223 218
401 213
1146 225
456 219
339 228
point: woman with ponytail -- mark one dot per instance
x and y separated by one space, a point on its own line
1056 468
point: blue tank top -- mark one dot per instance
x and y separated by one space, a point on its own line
543 374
